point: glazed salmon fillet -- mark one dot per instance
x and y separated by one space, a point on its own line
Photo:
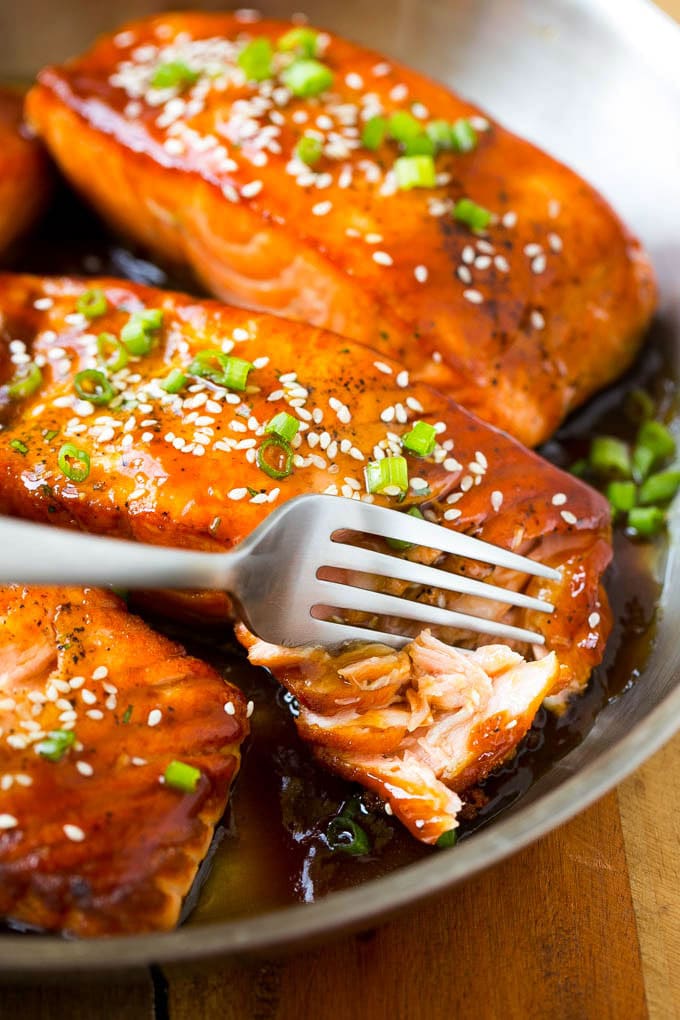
357 195
208 417
24 172
94 706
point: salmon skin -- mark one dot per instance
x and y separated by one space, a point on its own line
184 468
520 318
25 180
93 708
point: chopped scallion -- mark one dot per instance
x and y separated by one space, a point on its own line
301 40
403 126
275 457
414 172
182 777
639 406
622 496
16 444
610 456
388 477
174 381
112 353
307 78
447 838
467 211
283 425
94 386
421 439
421 145
396 543
55 745
138 332
659 488
463 135
26 380
655 443
255 59
646 521
343 834
220 368
373 133
439 131
92 303
309 150
74 462
173 74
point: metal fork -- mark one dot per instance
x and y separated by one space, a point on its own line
272 576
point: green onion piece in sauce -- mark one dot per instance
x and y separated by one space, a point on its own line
283 425
174 381
610 456
94 386
475 216
25 381
447 839
622 496
421 440
414 172
646 521
439 131
655 443
421 145
92 303
307 78
111 352
396 543
387 477
301 40
138 332
275 457
221 368
403 126
373 133
463 135
174 74
309 150
659 488
255 59
55 745
74 462
639 406
16 444
343 834
181 776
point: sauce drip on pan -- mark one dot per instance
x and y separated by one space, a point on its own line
272 849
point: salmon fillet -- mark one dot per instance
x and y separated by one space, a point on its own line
183 469
92 841
520 319
24 172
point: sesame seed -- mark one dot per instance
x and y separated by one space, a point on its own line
138 761
250 708
451 464
95 713
382 258
154 717
568 516
452 514
418 483
84 768
100 673
466 483
593 619
482 262
229 708
8 821
538 264
402 379
251 189
473 296
536 319
501 264
322 208
89 697
496 500
74 833
382 367
559 499
421 273
509 220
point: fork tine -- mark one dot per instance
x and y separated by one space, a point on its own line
378 520
343 596
324 632
352 557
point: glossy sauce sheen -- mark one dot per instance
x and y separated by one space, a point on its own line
272 849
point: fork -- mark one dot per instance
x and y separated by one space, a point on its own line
273 576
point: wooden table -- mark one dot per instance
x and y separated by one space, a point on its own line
584 925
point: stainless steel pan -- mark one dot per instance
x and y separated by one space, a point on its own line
596 84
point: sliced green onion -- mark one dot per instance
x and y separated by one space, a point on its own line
255 59
174 381
660 488
646 520
421 439
579 468
655 443
396 543
20 447
174 74
447 838
467 211
610 456
309 150
622 495
439 131
283 425
403 126
345 835
112 353
463 135
275 457
639 406
373 133
414 172
127 714
56 744
304 41
182 777
92 303
388 477
50 434
307 78
26 380
94 386
74 462
138 332
421 145
220 368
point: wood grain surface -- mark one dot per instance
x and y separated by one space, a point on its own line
583 925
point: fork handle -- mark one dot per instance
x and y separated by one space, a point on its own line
36 554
